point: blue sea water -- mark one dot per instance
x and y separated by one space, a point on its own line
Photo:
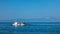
32 28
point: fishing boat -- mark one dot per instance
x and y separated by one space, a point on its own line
18 24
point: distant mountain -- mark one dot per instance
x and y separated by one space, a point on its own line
45 19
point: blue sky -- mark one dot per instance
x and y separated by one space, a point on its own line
29 9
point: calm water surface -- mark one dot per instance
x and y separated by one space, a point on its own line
32 28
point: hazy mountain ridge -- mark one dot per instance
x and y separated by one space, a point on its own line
51 19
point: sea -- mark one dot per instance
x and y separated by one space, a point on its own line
31 28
